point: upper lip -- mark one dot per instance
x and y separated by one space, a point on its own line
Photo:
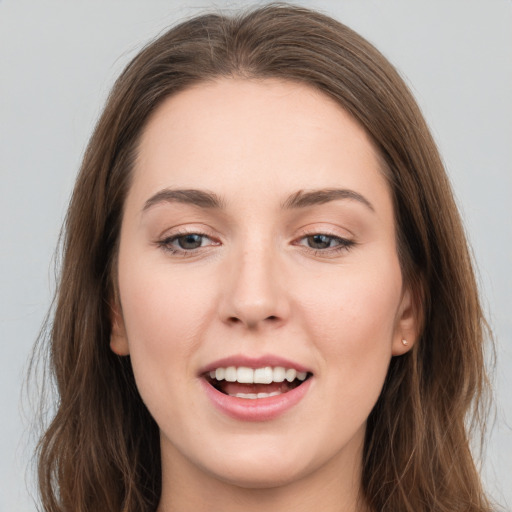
253 362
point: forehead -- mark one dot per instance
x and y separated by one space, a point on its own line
242 135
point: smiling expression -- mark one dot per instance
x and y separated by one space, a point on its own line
258 256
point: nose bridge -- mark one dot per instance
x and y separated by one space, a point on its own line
254 294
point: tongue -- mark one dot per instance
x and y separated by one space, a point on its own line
232 388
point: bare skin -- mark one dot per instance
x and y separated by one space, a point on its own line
287 251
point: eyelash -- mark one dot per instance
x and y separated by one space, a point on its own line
343 244
166 242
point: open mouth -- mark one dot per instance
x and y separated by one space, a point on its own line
254 383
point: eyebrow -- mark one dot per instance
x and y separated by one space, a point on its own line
200 198
210 200
303 199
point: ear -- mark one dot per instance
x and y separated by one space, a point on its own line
408 323
118 339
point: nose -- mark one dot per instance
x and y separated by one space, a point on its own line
254 295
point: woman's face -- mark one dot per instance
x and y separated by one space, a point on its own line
258 244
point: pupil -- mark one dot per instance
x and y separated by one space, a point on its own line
319 241
191 241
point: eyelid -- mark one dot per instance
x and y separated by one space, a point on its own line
325 228
186 229
333 237
169 236
345 242
328 226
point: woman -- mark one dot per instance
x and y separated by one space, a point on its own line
266 296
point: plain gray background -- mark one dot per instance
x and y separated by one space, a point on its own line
58 60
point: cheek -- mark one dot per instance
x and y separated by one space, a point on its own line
358 306
163 308
352 325
163 316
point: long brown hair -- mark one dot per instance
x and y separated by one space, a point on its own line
101 451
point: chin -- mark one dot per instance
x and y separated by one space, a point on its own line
260 476
262 469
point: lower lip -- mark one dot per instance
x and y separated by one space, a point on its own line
257 409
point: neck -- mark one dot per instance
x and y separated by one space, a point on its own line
334 487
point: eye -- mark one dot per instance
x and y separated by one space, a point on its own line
189 241
322 243
183 243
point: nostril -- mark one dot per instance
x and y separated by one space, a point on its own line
236 320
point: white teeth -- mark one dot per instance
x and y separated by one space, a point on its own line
245 375
265 375
253 396
278 374
231 374
291 374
